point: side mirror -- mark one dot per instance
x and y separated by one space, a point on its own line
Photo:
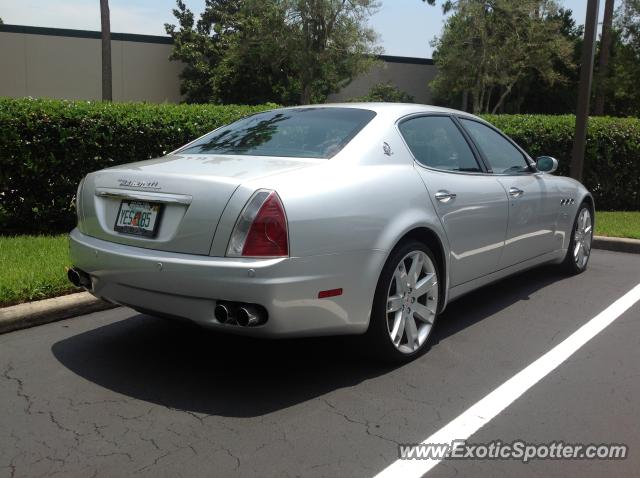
546 164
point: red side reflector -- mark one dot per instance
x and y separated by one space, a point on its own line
323 294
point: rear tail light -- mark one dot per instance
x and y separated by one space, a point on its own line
261 229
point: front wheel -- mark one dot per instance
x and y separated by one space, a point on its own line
580 244
405 303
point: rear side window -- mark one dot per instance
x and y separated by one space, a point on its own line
503 157
436 142
300 132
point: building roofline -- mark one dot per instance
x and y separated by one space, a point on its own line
67 32
134 37
406 60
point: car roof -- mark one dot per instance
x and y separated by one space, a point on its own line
391 109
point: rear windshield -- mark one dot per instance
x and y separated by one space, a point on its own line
300 132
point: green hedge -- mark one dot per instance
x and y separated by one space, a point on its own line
612 159
47 146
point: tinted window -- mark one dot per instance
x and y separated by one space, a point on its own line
503 157
305 132
436 142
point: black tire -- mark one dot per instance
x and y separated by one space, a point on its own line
570 265
377 339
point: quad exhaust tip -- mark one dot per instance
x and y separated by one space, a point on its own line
248 316
243 315
79 278
222 313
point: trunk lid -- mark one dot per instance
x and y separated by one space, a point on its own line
192 190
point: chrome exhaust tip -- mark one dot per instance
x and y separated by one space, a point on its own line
249 315
222 313
79 278
74 277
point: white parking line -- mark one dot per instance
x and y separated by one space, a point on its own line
483 411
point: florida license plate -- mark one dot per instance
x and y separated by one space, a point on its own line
138 217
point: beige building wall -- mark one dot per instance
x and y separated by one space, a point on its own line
57 66
66 64
411 75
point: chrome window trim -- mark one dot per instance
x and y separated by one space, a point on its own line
475 153
524 154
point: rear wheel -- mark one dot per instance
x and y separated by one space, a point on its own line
405 304
580 244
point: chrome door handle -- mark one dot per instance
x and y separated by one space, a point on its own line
444 196
515 192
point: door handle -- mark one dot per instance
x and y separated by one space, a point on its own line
515 192
444 196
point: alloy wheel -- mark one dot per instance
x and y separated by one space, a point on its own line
582 237
412 301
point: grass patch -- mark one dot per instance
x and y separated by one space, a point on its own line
618 224
33 267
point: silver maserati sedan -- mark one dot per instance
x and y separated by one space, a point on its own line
333 219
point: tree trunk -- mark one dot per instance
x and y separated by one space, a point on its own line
488 102
605 52
305 93
504 95
107 90
465 100
475 107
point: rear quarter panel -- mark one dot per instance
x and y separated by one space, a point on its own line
362 199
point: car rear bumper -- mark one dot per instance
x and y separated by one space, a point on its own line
189 286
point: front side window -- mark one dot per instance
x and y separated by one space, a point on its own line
436 142
299 132
503 157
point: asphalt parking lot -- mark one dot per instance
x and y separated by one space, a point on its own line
117 393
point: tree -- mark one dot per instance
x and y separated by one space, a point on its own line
624 68
534 95
628 23
256 65
386 93
287 51
605 52
105 23
488 47
201 45
331 43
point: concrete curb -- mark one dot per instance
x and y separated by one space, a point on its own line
617 244
40 312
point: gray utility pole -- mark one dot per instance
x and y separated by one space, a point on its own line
107 94
584 92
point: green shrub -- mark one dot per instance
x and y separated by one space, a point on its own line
386 93
612 158
47 146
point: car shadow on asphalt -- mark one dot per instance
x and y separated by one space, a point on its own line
489 300
188 368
